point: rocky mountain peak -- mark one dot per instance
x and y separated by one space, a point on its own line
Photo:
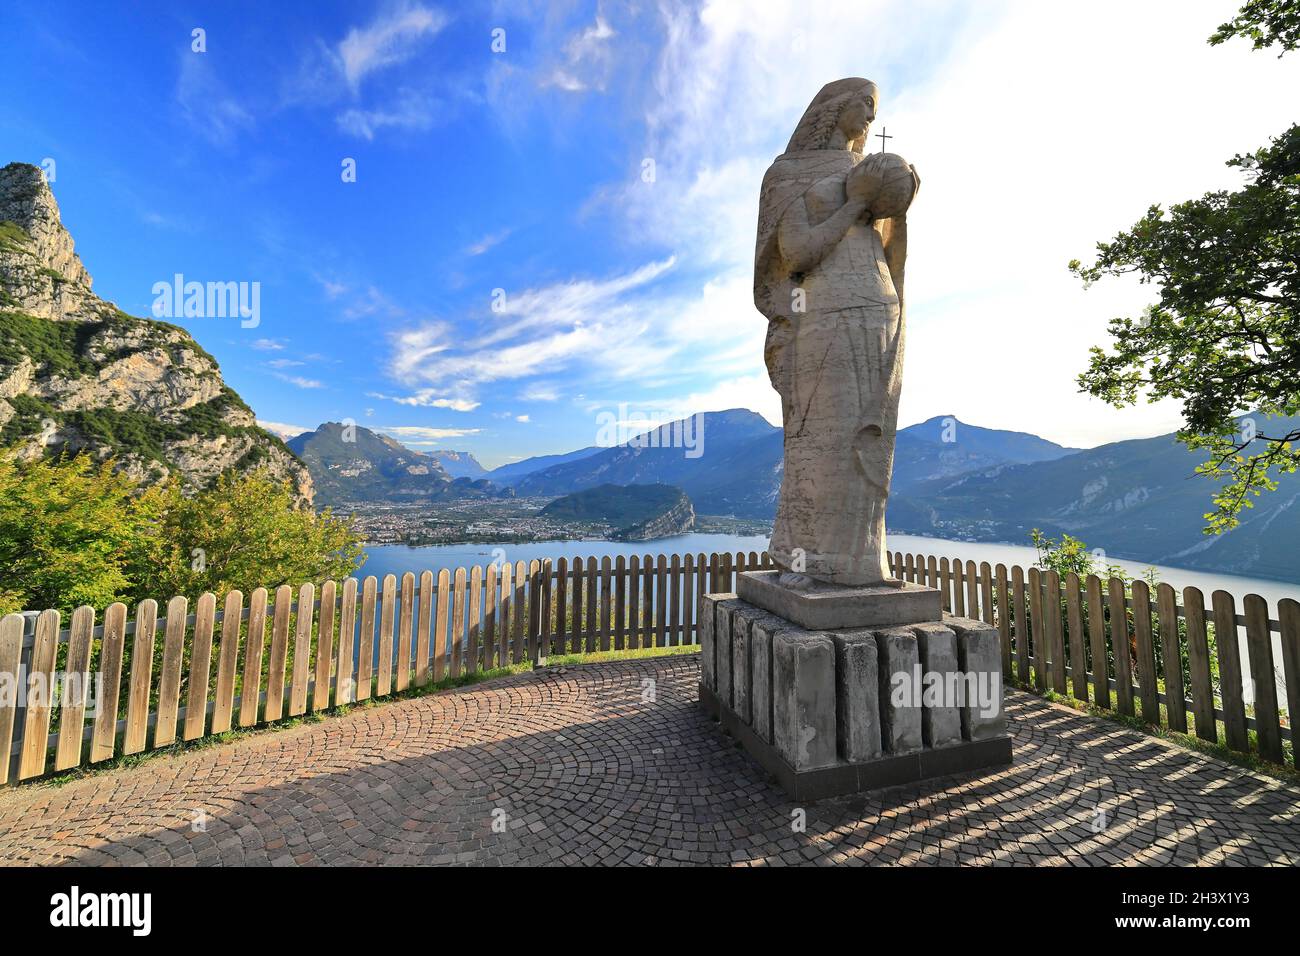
79 375
39 266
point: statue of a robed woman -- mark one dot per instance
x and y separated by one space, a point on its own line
828 274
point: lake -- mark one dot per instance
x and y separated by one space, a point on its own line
397 559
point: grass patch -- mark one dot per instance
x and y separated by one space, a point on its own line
13 238
599 657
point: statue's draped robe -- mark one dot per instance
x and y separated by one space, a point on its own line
838 368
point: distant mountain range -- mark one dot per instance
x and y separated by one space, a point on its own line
349 463
1135 499
508 474
458 464
737 470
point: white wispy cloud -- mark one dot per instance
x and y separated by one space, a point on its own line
423 435
429 398
410 110
300 381
355 75
588 59
282 429
268 345
539 392
206 104
572 303
488 241
535 331
370 302
390 38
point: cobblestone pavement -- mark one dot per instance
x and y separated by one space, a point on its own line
615 763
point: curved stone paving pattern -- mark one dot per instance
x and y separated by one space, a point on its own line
614 763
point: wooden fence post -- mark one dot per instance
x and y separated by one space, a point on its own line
491 602
1078 656
345 687
40 690
605 627
1022 624
142 648
1198 665
562 603
544 625
620 602
1259 643
958 588
474 634
365 642
169 678
1119 646
457 633
973 592
280 651
1288 612
1230 687
1097 643
320 695
592 588
661 602
1055 629
227 661
387 615
1146 652
111 646
11 653
1039 628
405 615
1172 658
634 630
301 649
254 650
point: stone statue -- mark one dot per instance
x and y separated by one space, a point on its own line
828 274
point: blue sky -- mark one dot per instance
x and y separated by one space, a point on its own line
528 171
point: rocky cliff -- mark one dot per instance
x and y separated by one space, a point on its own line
78 374
679 518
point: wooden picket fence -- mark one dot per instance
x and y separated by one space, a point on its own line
1065 633
325 650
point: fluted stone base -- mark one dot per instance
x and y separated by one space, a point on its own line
831 712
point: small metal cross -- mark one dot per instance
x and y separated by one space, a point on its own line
882 136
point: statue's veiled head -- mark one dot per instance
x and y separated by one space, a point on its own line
846 107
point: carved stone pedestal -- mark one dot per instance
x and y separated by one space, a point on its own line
831 711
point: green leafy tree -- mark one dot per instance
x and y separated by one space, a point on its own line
74 532
1224 335
68 528
1072 555
243 532
1265 22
